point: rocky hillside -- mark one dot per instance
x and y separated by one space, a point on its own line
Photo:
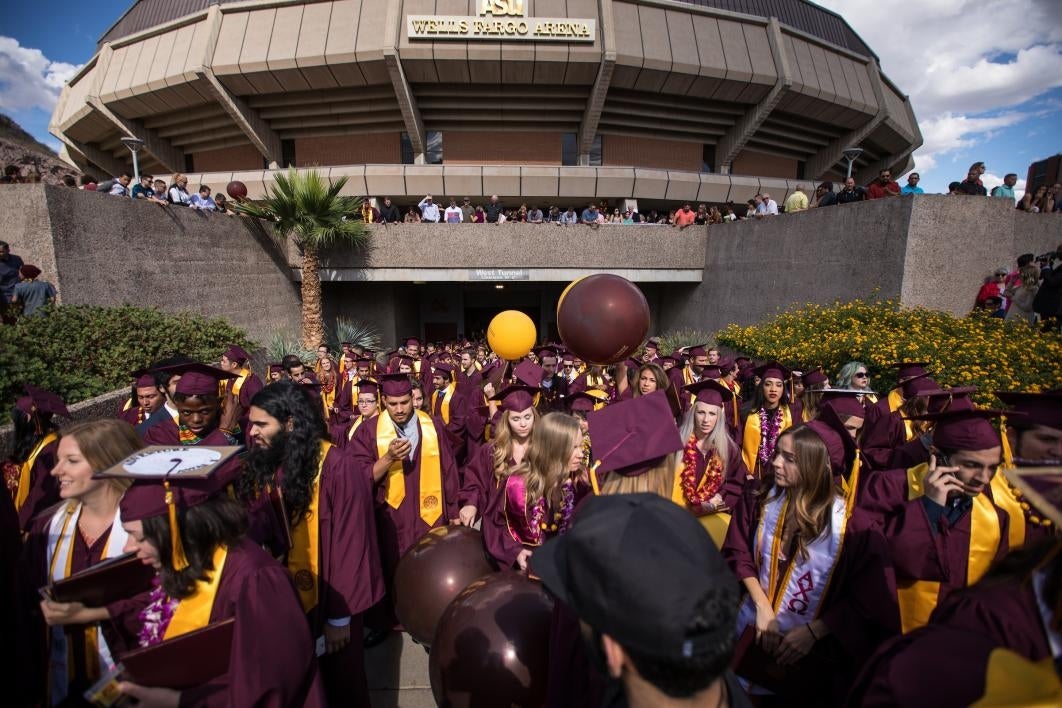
17 147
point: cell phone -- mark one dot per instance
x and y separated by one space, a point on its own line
942 460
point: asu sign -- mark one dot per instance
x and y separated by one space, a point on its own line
500 20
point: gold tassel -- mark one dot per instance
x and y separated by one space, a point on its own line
179 560
1008 454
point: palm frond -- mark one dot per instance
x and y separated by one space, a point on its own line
356 332
282 342
688 337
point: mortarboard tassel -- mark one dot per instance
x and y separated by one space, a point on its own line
178 559
1008 454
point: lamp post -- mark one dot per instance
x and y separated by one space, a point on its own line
851 154
134 145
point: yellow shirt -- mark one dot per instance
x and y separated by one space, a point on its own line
797 201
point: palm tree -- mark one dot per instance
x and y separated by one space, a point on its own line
302 205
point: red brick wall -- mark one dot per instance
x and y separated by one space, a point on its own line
363 149
759 164
241 157
501 148
625 151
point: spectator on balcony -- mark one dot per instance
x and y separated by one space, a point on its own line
369 213
521 214
1055 193
797 201
202 200
178 193
824 196
494 208
993 290
88 183
770 207
10 264
684 217
453 213
715 216
1030 201
120 185
569 217
221 205
467 210
972 184
730 214
628 216
553 215
535 215
883 186
912 185
32 293
158 189
412 216
616 217
12 175
144 190
954 188
479 216
389 213
69 181
590 215
701 218
429 210
851 193
1022 292
1006 190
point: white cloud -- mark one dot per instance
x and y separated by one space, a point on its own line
28 79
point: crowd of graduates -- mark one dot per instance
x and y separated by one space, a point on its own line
869 532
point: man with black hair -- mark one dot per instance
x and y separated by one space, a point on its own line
200 416
667 640
327 513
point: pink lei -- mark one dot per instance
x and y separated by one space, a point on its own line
155 618
770 429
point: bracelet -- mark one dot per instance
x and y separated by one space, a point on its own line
811 631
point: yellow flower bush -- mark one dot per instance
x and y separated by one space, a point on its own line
972 351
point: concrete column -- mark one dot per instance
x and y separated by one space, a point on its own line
160 148
821 162
599 91
407 102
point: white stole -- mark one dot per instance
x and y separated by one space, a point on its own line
796 598
61 532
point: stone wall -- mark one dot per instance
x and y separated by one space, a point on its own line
103 250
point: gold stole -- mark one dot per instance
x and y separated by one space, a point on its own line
193 612
354 426
895 400
750 438
27 467
303 557
444 411
918 598
237 383
431 496
1006 497
715 524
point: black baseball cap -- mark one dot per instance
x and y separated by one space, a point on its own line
636 567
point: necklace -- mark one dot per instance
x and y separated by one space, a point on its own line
770 427
713 475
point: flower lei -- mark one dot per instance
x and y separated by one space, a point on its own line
770 428
561 518
713 475
155 618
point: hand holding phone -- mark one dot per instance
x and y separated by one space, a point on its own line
941 482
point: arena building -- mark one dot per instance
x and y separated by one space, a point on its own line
646 103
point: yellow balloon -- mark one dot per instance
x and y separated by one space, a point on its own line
511 334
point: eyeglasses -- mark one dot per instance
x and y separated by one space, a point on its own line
861 375
366 401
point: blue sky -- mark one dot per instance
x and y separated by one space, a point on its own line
985 76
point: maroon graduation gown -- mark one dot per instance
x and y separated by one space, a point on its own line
398 529
478 481
10 549
859 606
881 438
737 475
44 489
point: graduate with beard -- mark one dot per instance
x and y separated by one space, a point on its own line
333 557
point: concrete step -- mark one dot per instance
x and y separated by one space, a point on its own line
397 671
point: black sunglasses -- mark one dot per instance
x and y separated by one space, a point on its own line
862 375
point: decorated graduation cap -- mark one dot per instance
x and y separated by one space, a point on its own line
964 429
586 401
909 369
1038 408
37 399
772 370
529 373
710 391
918 385
631 437
236 353
844 401
395 385
815 376
516 398
200 380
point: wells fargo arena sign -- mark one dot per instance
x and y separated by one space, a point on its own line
500 20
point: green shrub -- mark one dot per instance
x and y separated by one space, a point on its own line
81 351
674 339
969 351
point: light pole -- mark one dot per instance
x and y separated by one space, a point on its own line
134 145
851 154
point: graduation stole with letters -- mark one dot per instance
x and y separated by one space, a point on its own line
444 411
918 598
97 654
797 596
303 557
27 467
193 612
750 439
431 492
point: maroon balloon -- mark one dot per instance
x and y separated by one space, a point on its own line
603 318
492 645
237 190
431 574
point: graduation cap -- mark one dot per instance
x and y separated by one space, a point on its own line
143 378
236 353
368 386
964 429
667 359
346 344
586 401
412 342
516 398
950 399
712 371
201 380
710 391
529 373
839 443
843 401
909 369
815 376
1038 408
1041 485
631 437
743 362
772 370
697 350
395 385
40 400
918 385
276 368
725 364
444 370
653 343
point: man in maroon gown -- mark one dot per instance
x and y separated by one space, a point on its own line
201 420
243 388
887 430
147 397
36 489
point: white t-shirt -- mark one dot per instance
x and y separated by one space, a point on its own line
453 215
